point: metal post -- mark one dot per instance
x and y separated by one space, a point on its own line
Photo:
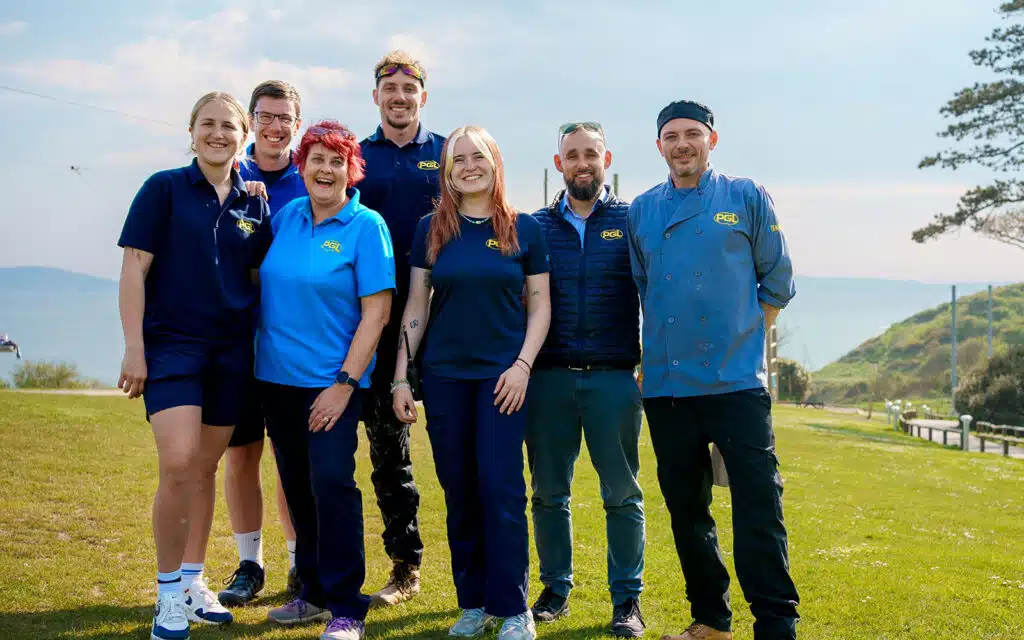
965 434
888 412
545 203
952 387
615 184
990 321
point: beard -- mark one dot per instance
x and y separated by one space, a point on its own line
585 192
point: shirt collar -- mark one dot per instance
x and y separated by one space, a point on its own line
602 196
195 176
250 157
422 135
342 217
670 189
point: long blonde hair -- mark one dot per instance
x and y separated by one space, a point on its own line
445 224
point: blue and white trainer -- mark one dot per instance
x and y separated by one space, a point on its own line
202 605
170 621
519 627
472 623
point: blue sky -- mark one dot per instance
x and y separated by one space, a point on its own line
829 104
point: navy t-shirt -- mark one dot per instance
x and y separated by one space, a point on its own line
199 287
477 320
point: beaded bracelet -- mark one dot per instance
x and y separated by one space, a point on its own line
398 384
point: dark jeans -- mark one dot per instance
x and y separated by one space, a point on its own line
740 423
604 408
318 476
397 495
478 454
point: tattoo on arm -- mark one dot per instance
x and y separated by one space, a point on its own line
426 279
414 324
534 293
401 341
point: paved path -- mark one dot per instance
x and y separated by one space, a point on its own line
954 438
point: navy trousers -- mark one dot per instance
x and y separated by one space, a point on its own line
478 454
318 476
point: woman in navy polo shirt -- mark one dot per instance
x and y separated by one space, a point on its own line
192 238
327 286
476 253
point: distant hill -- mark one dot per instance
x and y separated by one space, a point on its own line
912 357
60 315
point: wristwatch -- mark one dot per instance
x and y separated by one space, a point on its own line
344 378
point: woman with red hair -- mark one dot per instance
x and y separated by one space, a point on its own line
476 253
327 283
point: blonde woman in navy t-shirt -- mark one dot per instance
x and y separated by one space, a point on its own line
475 254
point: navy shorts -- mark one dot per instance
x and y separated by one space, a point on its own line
212 376
251 425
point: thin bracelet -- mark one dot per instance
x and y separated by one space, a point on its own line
529 369
398 384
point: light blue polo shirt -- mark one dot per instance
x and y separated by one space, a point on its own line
312 280
578 223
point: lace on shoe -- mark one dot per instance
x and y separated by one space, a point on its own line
342 624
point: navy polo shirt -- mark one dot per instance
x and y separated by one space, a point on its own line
401 184
199 286
282 189
477 319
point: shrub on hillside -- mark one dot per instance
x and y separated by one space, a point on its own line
994 390
50 375
794 381
4 384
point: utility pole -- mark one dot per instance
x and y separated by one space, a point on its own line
952 389
545 203
615 184
989 321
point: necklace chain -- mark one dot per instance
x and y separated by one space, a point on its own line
473 220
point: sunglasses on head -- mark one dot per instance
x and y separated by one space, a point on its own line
322 131
391 69
572 127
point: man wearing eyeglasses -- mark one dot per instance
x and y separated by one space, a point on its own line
402 161
713 271
583 385
275 114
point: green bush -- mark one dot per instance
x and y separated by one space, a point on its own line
794 381
994 390
50 375
4 384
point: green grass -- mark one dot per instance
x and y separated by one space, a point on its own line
890 537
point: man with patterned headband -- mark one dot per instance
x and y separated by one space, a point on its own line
401 183
713 270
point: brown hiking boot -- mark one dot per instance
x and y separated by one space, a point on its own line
403 585
698 631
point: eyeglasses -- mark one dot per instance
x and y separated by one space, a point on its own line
265 118
573 127
322 131
391 69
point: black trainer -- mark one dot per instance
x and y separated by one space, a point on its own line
627 622
550 606
243 585
294 583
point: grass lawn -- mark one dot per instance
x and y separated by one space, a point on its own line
891 537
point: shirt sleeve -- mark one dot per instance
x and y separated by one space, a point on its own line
636 256
418 251
147 216
264 234
771 255
536 260
375 260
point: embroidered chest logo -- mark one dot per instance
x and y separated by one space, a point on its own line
331 245
611 234
493 244
726 218
246 226
427 165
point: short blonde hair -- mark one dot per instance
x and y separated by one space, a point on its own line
228 99
399 56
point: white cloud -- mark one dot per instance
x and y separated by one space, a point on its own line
12 28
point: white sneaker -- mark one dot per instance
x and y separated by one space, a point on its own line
472 623
170 621
519 627
202 605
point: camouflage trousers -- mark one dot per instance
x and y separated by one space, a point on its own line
397 495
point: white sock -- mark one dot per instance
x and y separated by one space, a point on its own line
250 547
169 583
291 554
191 573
